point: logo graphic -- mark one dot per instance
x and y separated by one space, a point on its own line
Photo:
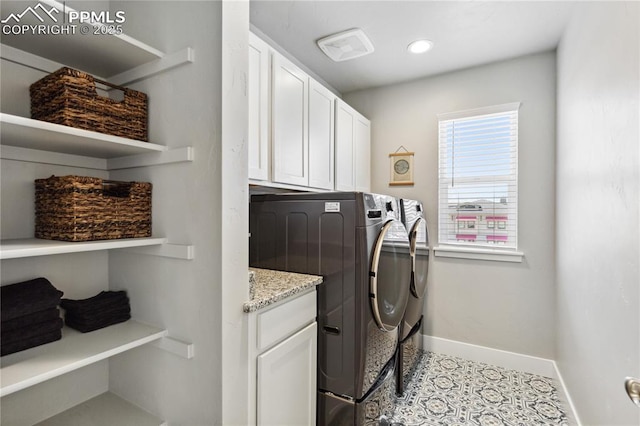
34 11
71 22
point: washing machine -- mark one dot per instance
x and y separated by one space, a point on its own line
359 245
410 339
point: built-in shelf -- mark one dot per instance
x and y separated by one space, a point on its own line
103 410
30 247
25 139
40 135
75 350
99 54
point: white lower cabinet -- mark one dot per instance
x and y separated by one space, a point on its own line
287 381
283 362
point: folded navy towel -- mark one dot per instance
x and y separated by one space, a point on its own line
31 342
99 313
102 310
8 337
85 328
27 297
103 300
98 316
30 319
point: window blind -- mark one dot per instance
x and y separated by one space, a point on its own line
478 177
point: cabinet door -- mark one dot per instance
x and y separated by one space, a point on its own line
258 96
287 381
345 174
289 120
321 136
362 154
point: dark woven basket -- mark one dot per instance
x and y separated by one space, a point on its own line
69 97
77 208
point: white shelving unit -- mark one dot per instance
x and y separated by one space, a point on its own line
121 60
34 134
100 54
104 410
31 247
75 350
25 139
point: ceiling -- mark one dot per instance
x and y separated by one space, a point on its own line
465 34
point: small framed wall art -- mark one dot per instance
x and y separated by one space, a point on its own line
401 167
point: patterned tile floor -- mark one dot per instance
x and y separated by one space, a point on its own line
446 390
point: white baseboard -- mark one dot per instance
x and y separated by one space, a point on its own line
505 359
566 398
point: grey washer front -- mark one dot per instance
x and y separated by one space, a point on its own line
410 339
360 247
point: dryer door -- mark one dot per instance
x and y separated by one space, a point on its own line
390 275
419 237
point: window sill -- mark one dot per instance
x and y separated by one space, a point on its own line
478 254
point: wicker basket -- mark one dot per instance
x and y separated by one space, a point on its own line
77 208
69 97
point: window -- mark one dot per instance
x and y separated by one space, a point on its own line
478 177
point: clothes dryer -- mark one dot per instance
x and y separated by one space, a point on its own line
360 247
410 344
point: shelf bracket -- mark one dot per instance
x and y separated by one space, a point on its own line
169 61
177 155
27 59
17 153
175 251
175 346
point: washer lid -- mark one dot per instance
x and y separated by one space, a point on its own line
390 275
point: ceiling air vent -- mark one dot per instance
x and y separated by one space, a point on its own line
346 45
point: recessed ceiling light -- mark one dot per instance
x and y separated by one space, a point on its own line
420 46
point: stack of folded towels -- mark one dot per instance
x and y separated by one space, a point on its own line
30 315
104 309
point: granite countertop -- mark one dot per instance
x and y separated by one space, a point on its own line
267 287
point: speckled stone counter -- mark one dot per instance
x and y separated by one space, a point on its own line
268 287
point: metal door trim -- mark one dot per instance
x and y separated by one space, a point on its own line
373 275
413 237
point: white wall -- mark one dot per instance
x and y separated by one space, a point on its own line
234 247
598 234
185 109
499 305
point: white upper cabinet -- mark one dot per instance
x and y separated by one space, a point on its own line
321 136
353 150
290 141
362 154
259 78
345 118
300 134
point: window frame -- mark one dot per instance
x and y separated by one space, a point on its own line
465 249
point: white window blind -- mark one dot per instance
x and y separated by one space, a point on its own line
478 177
